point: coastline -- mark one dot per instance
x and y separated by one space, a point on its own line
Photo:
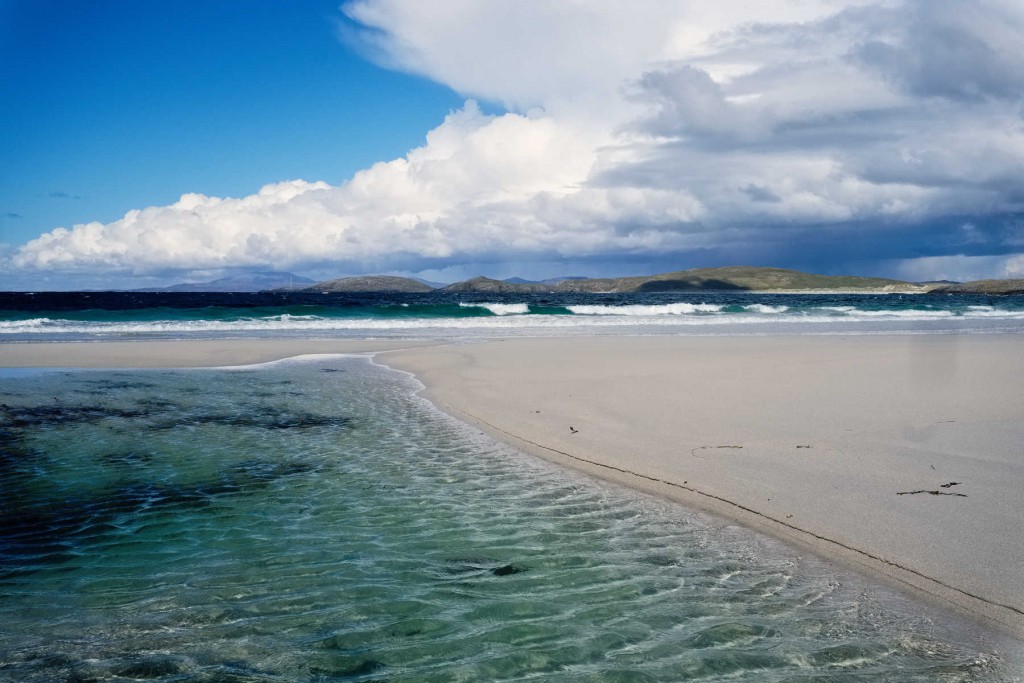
833 443
809 439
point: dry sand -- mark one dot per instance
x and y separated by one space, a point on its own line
902 455
812 439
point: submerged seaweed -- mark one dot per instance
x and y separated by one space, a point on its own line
258 418
59 413
37 533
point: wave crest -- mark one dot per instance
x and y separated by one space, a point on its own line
500 309
645 310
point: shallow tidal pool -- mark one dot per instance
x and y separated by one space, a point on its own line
315 520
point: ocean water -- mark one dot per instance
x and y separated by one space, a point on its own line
315 520
77 316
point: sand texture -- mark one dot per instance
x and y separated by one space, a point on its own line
903 455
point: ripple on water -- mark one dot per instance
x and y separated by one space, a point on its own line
292 524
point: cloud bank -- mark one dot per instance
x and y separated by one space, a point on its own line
882 135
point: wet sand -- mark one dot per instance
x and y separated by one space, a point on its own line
900 455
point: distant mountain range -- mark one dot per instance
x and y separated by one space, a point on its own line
256 281
1013 286
370 283
736 278
549 281
731 278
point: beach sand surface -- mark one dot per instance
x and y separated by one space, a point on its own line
900 455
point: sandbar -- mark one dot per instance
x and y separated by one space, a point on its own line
183 353
899 455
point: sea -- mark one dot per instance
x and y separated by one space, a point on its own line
83 316
315 519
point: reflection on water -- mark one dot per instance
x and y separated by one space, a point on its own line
314 521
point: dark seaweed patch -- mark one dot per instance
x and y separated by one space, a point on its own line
507 570
234 672
363 668
109 384
477 566
259 418
47 534
153 667
58 413
156 403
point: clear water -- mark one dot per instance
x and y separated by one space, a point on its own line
316 521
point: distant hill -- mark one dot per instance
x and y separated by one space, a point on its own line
369 283
431 283
1012 286
243 282
736 278
488 285
548 281
556 280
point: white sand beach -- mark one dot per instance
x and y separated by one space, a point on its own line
900 455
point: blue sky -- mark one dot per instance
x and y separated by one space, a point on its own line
114 105
148 143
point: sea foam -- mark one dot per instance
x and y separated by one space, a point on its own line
646 310
500 309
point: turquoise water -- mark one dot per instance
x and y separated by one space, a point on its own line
78 316
316 521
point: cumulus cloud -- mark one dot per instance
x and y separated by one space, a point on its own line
814 132
457 194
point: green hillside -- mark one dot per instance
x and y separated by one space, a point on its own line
1012 286
369 283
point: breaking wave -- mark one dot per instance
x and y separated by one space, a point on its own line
112 315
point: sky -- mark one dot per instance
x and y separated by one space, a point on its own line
150 143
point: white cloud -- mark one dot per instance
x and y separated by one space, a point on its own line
657 128
461 193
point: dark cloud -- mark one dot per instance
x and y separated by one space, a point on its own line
687 101
59 194
951 49
761 194
13 215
